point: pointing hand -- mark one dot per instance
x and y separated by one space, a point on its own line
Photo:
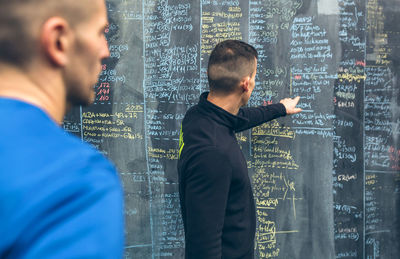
290 105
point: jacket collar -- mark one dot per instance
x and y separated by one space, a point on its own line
220 115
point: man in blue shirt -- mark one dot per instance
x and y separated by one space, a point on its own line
60 198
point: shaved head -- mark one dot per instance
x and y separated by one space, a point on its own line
229 63
21 21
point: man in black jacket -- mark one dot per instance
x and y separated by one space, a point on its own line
215 191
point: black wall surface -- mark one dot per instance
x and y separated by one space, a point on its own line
326 181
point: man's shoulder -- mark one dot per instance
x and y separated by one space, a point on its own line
203 134
84 159
205 159
192 113
33 144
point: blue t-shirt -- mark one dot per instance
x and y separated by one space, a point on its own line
59 197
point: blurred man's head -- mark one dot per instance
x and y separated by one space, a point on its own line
230 62
64 35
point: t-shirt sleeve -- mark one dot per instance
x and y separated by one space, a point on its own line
80 216
259 115
206 192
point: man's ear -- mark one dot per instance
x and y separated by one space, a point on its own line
245 83
55 40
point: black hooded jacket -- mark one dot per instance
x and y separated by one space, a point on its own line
215 192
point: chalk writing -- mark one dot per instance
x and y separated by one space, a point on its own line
270 189
340 57
219 26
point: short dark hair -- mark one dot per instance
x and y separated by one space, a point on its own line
229 62
20 21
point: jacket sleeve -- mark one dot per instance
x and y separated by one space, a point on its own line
206 193
259 115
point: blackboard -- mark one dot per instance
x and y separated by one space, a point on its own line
326 181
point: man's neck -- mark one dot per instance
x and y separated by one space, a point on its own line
42 90
230 103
